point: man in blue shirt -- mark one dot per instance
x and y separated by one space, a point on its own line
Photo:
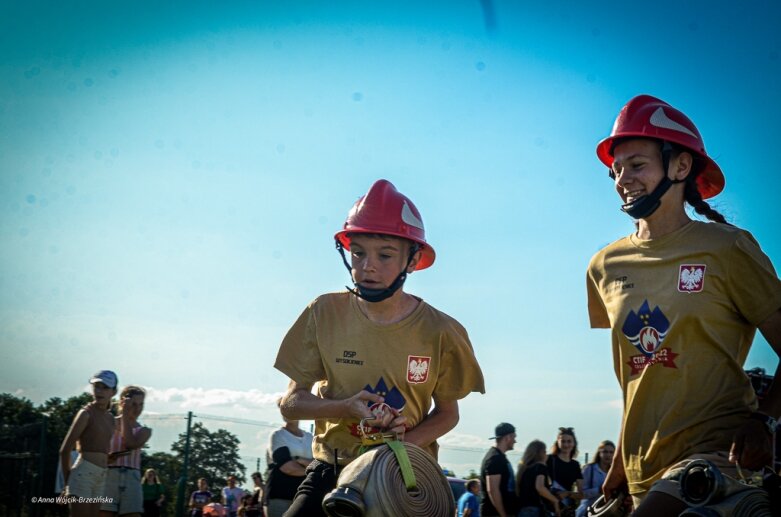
469 503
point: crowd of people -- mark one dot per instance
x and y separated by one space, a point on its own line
682 298
100 459
543 483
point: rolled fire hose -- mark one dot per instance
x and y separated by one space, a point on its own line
711 493
373 485
607 508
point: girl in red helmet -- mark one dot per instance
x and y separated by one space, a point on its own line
683 299
374 351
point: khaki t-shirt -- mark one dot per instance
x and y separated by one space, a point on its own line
683 310
427 354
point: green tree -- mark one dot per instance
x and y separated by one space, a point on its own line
20 446
60 414
22 443
213 455
472 475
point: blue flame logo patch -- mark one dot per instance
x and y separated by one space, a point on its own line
393 396
646 329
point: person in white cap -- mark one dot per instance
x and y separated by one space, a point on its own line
91 429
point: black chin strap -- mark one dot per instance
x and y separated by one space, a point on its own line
644 206
376 295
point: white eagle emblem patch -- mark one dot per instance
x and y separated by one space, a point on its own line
691 278
417 369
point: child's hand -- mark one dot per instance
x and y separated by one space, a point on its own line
383 416
357 407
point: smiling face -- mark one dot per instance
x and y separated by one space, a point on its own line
637 168
566 443
377 261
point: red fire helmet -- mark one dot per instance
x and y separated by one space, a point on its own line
648 117
386 211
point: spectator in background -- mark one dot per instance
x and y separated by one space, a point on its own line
533 487
255 507
244 505
123 480
469 502
496 475
594 475
90 432
154 495
564 469
289 453
231 496
200 498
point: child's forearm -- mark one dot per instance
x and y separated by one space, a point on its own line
442 419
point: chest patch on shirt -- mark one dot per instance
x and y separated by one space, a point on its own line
691 278
417 369
393 399
646 330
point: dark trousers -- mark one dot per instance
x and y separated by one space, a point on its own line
308 502
151 508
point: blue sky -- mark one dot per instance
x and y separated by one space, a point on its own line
171 177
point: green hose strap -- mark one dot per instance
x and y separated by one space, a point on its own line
407 474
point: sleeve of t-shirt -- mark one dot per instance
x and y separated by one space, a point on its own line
597 313
473 503
540 469
495 465
591 487
753 284
459 374
299 356
281 455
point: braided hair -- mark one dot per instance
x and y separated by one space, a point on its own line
691 194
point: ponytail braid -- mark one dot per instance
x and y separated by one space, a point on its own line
691 195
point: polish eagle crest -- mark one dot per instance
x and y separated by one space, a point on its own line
691 278
417 369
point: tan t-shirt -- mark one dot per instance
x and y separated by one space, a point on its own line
683 310
427 354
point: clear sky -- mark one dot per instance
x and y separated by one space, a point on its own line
172 173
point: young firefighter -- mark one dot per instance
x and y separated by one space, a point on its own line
374 351
683 299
